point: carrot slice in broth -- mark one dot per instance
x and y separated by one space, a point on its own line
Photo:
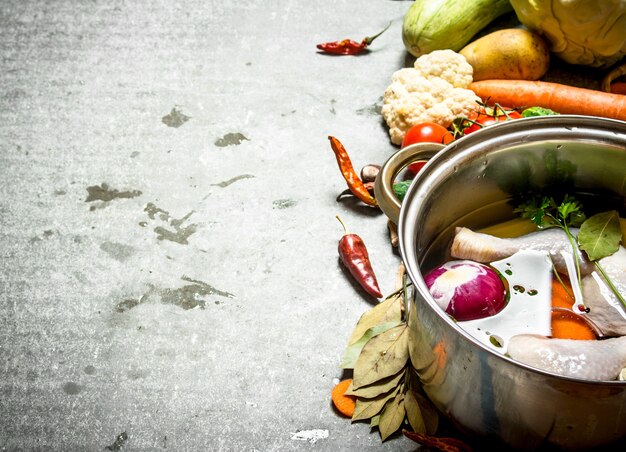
566 324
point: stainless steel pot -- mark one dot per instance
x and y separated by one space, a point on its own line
471 183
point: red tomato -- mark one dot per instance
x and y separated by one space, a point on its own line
427 132
482 119
415 168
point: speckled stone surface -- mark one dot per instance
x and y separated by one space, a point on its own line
168 242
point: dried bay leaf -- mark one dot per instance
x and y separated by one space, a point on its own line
430 415
382 356
428 412
380 387
419 359
351 354
600 235
392 416
414 413
368 408
374 421
389 310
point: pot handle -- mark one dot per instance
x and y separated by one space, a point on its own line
383 187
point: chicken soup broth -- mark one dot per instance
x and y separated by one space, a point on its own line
557 298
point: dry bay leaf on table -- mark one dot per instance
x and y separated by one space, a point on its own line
379 387
429 412
383 355
419 359
414 413
389 310
392 416
368 408
351 354
420 412
374 421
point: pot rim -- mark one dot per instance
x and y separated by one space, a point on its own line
449 154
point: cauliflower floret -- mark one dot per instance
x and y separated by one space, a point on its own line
445 64
404 76
461 102
433 93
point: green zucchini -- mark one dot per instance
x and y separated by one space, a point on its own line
447 24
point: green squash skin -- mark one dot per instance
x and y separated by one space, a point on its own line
447 24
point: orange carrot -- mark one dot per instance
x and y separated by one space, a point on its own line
345 404
561 296
566 324
560 98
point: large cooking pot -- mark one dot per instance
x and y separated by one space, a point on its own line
471 183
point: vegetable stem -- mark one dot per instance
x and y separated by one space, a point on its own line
561 222
405 297
572 242
368 39
560 280
345 230
610 283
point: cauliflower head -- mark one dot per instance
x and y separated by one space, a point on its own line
587 32
434 90
446 64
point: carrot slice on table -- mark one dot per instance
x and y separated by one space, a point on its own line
563 99
344 403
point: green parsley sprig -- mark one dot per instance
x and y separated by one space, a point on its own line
546 213
599 235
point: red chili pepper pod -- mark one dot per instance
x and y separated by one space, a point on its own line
355 184
439 443
354 256
348 46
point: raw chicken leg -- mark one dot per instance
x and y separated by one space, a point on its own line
590 360
486 248
605 310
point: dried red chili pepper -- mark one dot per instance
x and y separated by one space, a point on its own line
355 184
442 444
355 257
348 46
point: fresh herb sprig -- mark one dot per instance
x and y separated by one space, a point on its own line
546 213
599 235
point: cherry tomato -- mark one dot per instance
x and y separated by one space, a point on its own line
484 118
415 168
427 132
